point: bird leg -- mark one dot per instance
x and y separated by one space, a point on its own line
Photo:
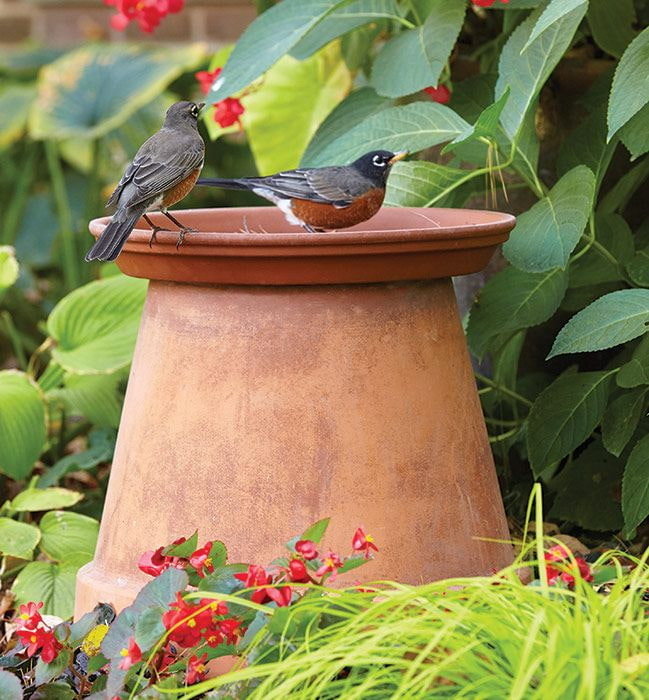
154 230
183 229
308 228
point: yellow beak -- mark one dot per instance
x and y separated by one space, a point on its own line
399 155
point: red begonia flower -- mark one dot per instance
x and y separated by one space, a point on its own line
330 563
130 655
306 548
196 669
228 112
363 543
297 571
41 638
567 570
28 616
155 562
282 596
201 560
256 576
439 94
206 78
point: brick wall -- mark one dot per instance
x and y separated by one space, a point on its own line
60 23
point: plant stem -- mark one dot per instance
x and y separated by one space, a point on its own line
503 389
70 263
14 337
16 205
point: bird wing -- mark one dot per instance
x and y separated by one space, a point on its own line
334 185
150 174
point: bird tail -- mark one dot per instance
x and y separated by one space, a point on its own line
110 243
244 183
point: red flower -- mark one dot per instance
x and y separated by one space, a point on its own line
230 629
189 630
130 655
206 78
363 543
306 548
28 616
282 596
155 562
297 571
487 3
41 638
200 560
147 13
330 564
567 569
228 111
196 669
256 576
439 94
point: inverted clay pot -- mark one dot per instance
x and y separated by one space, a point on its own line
281 377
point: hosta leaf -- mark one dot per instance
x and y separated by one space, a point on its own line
96 397
356 107
413 127
94 89
424 50
612 24
420 183
95 326
22 423
32 500
546 234
635 485
514 299
629 93
299 93
564 415
18 539
526 63
273 34
341 20
621 418
51 583
636 371
608 321
15 102
69 538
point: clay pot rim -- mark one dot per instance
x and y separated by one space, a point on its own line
486 224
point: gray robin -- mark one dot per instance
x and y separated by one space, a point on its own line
164 170
323 198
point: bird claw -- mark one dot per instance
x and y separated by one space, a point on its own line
181 235
154 234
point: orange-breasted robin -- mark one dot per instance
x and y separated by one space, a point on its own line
164 170
321 199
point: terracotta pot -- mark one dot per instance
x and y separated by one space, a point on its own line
279 378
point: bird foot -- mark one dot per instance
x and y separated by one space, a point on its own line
181 235
154 234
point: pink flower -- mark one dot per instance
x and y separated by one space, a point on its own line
306 548
363 543
330 564
202 561
439 94
155 562
228 112
130 655
28 616
281 596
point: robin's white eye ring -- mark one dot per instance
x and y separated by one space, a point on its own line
378 160
194 110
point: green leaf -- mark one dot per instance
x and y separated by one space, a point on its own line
95 326
149 628
268 38
94 89
10 686
96 397
635 133
352 563
513 299
22 423
420 183
18 539
554 11
609 321
47 672
612 24
102 445
629 93
487 125
51 583
222 579
413 126
354 109
621 419
54 691
635 485
424 50
588 490
636 371
69 538
526 63
317 531
546 234
299 93
8 267
619 195
15 102
564 415
638 268
31 500
184 549
343 19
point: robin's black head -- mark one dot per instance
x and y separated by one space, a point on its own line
181 113
376 165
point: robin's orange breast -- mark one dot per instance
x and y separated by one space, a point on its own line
326 216
182 189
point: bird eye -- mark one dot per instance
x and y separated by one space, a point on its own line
378 160
194 110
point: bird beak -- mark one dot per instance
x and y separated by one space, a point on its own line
200 106
399 155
